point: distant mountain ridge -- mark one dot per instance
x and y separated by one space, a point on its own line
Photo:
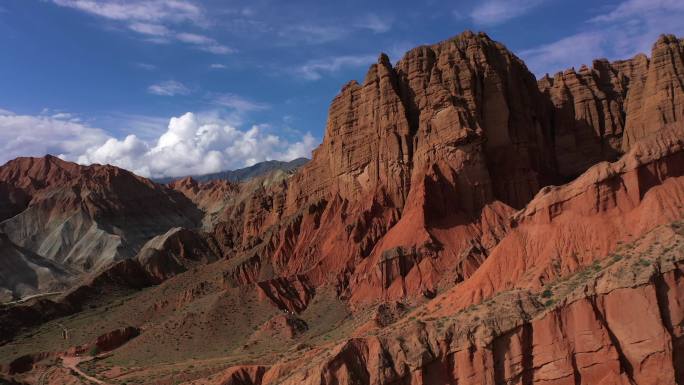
242 174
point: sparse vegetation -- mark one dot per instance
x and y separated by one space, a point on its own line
94 351
186 329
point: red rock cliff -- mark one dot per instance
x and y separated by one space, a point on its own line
423 163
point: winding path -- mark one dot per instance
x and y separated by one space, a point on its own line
72 364
33 296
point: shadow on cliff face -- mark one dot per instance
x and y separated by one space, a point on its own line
12 200
668 167
580 146
446 205
15 272
19 274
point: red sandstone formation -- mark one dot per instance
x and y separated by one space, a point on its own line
419 168
588 111
115 338
292 295
656 100
582 332
415 180
429 214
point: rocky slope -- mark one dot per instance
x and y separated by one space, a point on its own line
574 330
423 164
83 218
600 111
22 272
425 242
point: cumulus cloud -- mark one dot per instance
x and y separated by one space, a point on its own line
191 144
492 12
314 69
629 28
300 149
196 145
168 88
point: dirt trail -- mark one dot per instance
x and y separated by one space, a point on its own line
72 364
33 296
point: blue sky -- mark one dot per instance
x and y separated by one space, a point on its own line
187 86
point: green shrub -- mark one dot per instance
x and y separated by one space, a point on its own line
94 351
547 293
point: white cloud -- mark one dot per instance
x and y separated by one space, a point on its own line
146 127
630 28
140 10
156 20
168 88
217 49
191 144
570 51
492 12
314 69
320 33
27 135
149 29
194 38
59 115
217 66
375 23
146 66
313 33
301 149
239 103
631 8
194 144
204 43
125 153
63 116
